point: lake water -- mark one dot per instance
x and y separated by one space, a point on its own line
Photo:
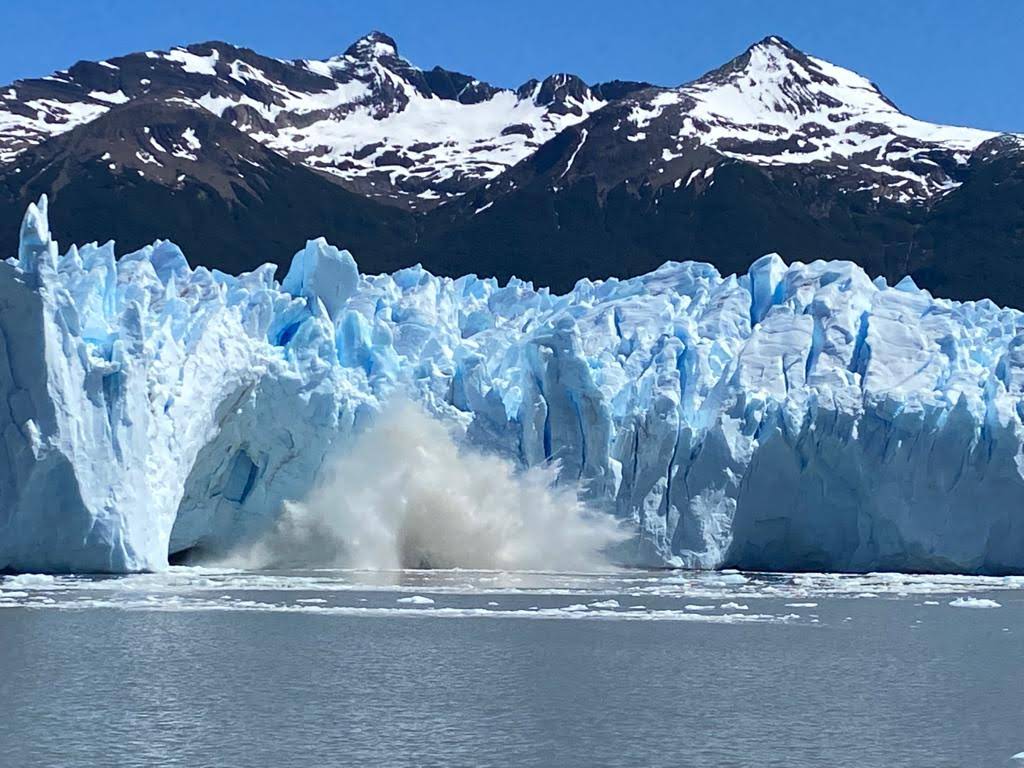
202 667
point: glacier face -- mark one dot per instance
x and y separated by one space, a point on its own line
796 417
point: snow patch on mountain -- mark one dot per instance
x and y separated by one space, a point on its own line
38 119
196 65
432 140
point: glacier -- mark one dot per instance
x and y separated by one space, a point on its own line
797 417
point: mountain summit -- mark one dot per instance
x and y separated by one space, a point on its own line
374 45
775 104
774 80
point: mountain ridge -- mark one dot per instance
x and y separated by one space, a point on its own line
775 150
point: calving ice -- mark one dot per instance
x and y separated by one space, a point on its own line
795 417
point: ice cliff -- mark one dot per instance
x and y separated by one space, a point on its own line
799 417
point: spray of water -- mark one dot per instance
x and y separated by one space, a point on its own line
407 496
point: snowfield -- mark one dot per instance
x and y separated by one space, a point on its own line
798 417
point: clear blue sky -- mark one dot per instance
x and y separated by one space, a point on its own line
944 60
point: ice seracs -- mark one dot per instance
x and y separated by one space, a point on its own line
796 417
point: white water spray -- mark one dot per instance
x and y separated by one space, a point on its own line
406 496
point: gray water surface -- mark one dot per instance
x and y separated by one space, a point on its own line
207 668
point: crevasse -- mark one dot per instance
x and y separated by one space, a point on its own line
796 417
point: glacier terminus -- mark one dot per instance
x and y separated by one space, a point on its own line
797 417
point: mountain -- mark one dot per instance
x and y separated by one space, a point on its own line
155 166
776 151
379 125
552 181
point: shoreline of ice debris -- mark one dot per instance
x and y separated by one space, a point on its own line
624 596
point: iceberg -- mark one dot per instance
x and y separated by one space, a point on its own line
797 417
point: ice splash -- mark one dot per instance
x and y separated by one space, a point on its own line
405 495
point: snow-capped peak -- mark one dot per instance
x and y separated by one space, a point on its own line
773 80
775 105
373 45
416 138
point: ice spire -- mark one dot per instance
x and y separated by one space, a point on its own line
36 246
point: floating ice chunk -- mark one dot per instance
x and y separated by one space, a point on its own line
974 602
731 578
415 600
32 580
